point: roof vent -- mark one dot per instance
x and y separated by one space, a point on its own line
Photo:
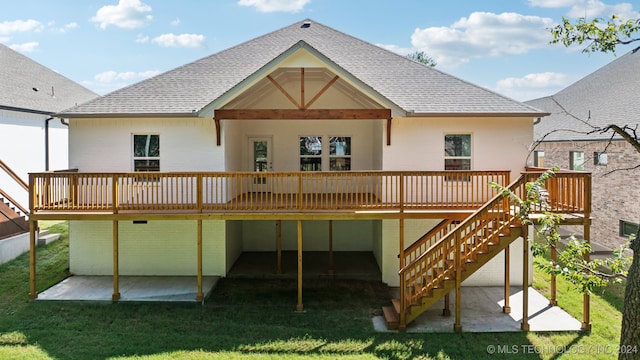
306 24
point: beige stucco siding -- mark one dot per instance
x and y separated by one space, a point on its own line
413 230
285 135
105 145
354 235
154 248
497 143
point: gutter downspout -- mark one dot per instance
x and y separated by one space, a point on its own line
46 143
46 140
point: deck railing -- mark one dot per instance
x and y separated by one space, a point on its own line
268 191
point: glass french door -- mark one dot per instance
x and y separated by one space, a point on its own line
260 160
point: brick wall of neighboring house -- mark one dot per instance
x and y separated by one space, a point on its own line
615 193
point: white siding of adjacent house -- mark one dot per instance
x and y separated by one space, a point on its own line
23 148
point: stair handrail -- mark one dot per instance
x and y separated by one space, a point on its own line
13 175
14 202
442 228
463 223
448 243
20 182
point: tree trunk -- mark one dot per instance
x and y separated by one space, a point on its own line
630 333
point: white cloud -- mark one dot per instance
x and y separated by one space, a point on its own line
109 81
483 34
143 39
175 22
64 28
129 76
182 40
128 14
26 47
292 6
10 27
533 86
589 8
554 3
397 49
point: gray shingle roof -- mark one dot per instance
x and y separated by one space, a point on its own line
409 85
19 76
607 96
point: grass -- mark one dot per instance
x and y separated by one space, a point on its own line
254 319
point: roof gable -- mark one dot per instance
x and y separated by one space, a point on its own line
26 85
393 80
286 69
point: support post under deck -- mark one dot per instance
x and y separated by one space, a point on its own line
524 326
199 295
33 226
586 300
116 267
507 281
457 326
331 264
279 247
553 301
299 306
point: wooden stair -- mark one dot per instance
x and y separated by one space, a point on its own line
12 220
448 260
443 287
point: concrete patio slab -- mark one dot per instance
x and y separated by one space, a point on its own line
481 311
132 288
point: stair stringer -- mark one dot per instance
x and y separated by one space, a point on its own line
431 297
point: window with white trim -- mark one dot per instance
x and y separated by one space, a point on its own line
457 152
325 153
340 153
146 152
311 153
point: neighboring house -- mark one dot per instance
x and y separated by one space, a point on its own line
607 96
302 139
32 139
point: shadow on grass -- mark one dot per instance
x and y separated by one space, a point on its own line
242 318
246 317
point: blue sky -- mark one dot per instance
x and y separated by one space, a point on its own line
498 44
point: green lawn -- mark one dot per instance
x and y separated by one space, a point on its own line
254 319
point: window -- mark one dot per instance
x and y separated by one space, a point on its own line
457 152
576 160
311 153
600 158
339 153
146 152
330 153
628 228
538 159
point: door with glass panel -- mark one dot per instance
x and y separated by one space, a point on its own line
260 161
